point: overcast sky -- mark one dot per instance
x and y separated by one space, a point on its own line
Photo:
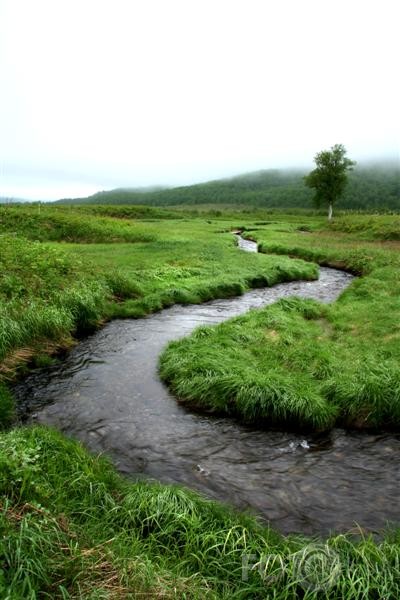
96 94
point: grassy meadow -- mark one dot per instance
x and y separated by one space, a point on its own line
70 526
300 362
53 287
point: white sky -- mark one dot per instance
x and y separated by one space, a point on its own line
96 94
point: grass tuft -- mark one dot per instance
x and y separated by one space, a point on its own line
300 363
70 527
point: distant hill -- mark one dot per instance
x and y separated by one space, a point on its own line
8 200
370 187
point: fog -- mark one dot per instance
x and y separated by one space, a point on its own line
99 94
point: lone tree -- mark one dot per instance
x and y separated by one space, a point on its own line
329 179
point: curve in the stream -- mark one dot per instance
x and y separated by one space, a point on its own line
107 394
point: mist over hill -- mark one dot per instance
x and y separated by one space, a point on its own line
12 200
371 186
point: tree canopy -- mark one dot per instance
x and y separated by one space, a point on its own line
329 178
372 186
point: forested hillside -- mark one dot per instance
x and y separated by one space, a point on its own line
370 187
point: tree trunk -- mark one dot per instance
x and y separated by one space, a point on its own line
330 211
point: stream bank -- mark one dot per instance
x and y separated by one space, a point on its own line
107 394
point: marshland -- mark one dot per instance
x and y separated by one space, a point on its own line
276 428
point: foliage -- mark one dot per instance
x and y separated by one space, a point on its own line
329 178
143 213
189 261
369 227
370 186
60 224
50 291
71 528
298 362
7 413
45 295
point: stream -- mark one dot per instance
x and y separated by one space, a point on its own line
107 393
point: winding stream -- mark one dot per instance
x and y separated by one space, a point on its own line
107 394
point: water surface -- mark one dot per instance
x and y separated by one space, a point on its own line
107 394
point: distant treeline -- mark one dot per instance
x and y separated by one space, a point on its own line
370 187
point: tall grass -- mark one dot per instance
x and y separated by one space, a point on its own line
43 295
190 262
71 528
52 291
369 227
6 407
298 362
48 291
54 224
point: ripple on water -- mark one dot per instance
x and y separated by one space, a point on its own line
107 393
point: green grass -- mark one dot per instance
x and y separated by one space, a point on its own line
191 261
369 227
7 412
51 291
45 295
61 224
300 363
72 528
373 187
